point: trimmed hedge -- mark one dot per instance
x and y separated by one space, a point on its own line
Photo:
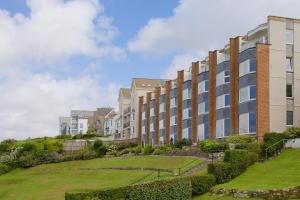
211 146
235 163
202 184
179 188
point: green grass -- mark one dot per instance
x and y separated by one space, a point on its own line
282 172
50 181
208 197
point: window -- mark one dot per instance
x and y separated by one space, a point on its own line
203 108
226 127
289 37
289 118
190 113
206 130
220 79
247 66
227 100
252 92
289 64
247 93
289 90
186 94
203 86
220 128
81 125
162 107
226 77
252 122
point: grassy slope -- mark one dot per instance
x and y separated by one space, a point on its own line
52 180
282 172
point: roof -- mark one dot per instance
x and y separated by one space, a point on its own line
110 115
103 111
125 92
147 83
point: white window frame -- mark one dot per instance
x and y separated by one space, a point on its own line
244 68
220 126
173 103
289 64
162 107
289 37
152 112
220 80
201 87
200 134
245 89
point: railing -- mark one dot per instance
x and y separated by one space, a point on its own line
283 142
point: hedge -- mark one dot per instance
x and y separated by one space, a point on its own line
179 188
202 184
4 168
235 163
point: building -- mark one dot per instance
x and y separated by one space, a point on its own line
124 100
96 121
64 125
110 123
139 87
79 121
251 86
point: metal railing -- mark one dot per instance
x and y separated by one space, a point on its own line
267 150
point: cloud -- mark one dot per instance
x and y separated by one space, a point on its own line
44 41
200 26
56 30
30 105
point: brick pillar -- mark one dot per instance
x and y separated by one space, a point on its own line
195 71
212 95
148 117
262 91
139 134
234 86
156 112
168 114
180 77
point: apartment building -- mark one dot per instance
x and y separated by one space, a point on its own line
110 123
139 87
64 125
79 121
251 86
124 100
96 121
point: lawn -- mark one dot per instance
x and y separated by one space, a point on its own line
50 181
282 172
208 197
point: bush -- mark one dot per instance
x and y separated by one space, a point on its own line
221 170
181 143
210 146
100 148
179 189
148 149
202 184
26 160
6 145
53 146
270 139
240 139
293 132
4 168
31 146
138 150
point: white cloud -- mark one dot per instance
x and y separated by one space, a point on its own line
55 30
206 25
32 99
30 105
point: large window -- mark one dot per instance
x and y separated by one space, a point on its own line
226 76
203 86
247 93
247 123
289 90
222 77
203 108
289 118
289 64
222 128
187 94
223 101
289 37
247 66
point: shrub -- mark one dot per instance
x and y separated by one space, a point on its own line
179 189
31 146
26 160
181 143
100 148
202 184
210 146
138 150
157 152
6 145
4 168
148 149
270 140
221 170
293 132
240 139
53 146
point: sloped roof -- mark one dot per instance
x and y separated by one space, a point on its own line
103 111
147 83
125 92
